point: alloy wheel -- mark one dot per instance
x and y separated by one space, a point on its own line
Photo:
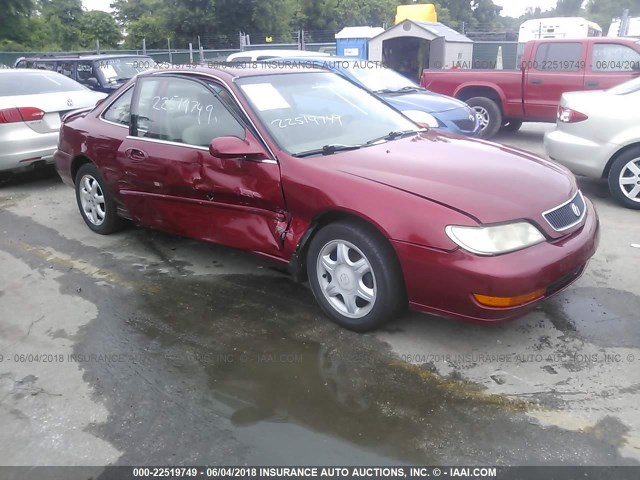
346 279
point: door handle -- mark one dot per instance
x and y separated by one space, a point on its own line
536 81
136 154
592 83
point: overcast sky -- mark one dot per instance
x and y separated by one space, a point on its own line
512 8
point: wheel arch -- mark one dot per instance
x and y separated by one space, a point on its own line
297 262
464 93
77 162
614 157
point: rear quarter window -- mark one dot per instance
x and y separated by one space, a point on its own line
611 57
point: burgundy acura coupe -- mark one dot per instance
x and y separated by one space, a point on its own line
311 171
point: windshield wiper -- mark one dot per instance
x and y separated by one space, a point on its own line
408 88
327 150
393 135
411 88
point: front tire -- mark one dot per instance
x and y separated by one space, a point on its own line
355 276
489 115
624 179
96 204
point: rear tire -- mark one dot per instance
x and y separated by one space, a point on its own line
355 275
624 179
511 125
96 204
489 115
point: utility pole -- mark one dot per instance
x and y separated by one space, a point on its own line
624 23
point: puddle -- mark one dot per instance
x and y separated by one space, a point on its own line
244 369
603 316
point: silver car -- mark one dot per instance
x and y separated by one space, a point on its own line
32 103
598 135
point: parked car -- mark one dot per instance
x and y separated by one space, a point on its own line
32 103
597 136
313 172
265 54
423 106
548 68
103 73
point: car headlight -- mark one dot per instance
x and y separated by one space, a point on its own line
496 239
423 119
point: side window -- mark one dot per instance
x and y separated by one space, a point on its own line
45 65
562 56
183 111
21 64
84 71
120 110
609 57
65 68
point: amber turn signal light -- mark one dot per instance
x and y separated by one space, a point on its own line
505 302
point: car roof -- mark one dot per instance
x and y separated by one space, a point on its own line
620 40
329 61
82 57
275 53
4 71
231 71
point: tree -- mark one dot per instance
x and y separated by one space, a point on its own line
14 19
187 19
150 28
371 12
487 15
97 25
569 8
62 17
603 11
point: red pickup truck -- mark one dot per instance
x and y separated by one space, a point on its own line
547 69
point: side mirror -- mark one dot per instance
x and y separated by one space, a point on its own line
234 147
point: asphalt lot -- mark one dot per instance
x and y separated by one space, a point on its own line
144 348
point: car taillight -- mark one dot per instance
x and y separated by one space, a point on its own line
23 114
566 115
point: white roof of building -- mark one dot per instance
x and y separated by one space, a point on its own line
436 29
441 30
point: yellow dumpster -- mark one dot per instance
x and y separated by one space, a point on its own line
422 12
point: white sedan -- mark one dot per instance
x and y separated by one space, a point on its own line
598 135
32 102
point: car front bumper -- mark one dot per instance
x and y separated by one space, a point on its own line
443 283
580 155
459 121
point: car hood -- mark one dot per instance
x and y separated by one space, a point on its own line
489 182
425 101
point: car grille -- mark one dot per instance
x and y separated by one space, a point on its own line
568 214
466 125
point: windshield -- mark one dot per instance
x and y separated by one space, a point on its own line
122 69
31 83
308 111
381 78
625 88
